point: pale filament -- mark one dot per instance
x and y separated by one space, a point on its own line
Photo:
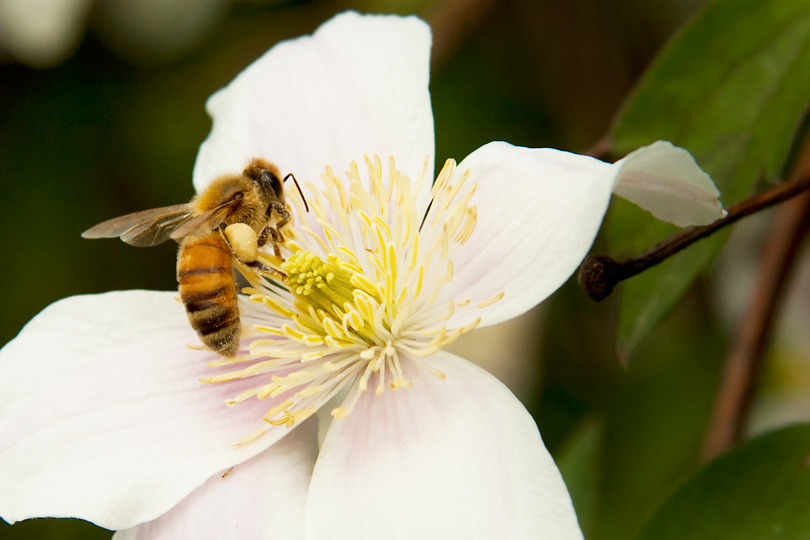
364 272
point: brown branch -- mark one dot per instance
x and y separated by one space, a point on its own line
599 274
745 358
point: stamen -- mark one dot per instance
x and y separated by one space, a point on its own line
491 301
363 277
257 434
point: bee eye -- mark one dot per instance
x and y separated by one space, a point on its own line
272 179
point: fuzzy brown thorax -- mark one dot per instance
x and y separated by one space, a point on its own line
249 202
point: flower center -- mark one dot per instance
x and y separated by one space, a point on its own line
334 299
365 293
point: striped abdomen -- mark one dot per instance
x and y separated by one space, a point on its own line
208 290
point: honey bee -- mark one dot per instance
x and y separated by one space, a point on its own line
223 225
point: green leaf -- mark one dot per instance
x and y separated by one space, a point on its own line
657 419
758 491
732 87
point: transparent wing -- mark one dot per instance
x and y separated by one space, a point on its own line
203 220
145 228
192 224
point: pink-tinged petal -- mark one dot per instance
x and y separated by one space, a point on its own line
458 457
103 417
262 498
358 85
666 181
539 210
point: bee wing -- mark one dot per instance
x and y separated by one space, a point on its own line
145 228
201 221
193 224
157 230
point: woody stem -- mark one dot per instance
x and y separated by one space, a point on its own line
599 274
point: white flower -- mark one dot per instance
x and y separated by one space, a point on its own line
102 412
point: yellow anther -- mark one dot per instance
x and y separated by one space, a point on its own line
491 301
360 292
286 404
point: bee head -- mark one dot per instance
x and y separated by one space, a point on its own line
266 176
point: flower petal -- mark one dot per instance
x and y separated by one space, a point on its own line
103 417
458 457
358 85
539 210
262 498
666 181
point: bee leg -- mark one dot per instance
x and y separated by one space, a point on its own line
265 270
273 231
281 210
269 233
254 263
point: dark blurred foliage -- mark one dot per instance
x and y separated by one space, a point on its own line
99 136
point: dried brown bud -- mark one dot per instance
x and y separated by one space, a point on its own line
598 274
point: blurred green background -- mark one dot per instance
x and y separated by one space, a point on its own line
111 124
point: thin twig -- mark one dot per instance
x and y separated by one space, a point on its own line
599 274
744 361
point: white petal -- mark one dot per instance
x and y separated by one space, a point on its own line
262 498
453 458
666 181
358 85
103 417
539 210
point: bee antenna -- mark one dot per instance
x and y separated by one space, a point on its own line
291 175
